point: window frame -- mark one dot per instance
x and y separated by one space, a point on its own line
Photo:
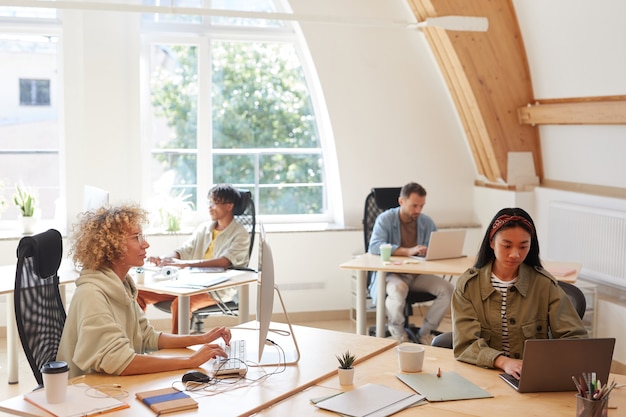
48 26
202 36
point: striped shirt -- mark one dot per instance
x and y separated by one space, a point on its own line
502 287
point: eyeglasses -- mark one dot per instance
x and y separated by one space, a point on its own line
212 203
141 238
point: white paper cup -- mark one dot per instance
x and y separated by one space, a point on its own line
385 252
55 375
410 357
140 276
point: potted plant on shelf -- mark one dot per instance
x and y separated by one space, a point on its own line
346 370
172 210
26 202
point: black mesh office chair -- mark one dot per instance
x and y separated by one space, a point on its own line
574 293
377 201
576 296
244 214
39 310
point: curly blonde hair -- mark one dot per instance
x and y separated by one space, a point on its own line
100 236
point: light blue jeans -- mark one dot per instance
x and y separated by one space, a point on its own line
398 287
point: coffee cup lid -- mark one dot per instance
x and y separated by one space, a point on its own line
54 367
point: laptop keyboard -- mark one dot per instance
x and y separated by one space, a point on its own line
514 382
236 361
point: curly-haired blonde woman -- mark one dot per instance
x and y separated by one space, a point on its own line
105 330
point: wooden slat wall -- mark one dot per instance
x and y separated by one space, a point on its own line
488 76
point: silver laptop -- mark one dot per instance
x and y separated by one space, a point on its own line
444 244
549 364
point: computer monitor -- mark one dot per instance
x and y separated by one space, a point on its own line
265 293
94 198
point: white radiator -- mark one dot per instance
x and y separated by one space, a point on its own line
595 237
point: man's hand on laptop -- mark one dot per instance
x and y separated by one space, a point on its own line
420 250
511 366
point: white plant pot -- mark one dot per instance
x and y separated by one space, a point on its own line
346 376
28 224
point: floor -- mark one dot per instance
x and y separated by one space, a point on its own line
27 381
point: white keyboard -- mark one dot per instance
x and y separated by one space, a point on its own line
236 361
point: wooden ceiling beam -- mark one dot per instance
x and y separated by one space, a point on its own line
595 111
489 80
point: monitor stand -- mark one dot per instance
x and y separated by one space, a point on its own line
277 354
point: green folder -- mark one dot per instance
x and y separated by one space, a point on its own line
448 387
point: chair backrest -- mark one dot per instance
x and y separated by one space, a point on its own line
576 296
377 201
39 310
245 215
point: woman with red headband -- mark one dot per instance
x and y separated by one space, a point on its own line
507 297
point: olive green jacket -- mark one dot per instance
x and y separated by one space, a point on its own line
537 308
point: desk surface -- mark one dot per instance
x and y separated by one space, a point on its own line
67 275
318 349
383 368
456 266
169 286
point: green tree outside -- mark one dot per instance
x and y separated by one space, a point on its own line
260 102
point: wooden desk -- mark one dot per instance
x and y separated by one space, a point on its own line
241 281
455 267
318 349
67 275
383 368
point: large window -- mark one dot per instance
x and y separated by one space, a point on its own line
231 103
29 134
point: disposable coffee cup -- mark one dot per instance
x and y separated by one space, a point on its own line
385 252
55 375
410 357
140 276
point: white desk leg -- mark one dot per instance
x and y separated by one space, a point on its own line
361 296
244 303
381 281
12 342
183 314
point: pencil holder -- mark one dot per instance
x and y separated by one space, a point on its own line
592 408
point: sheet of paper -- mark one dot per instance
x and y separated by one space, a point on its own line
81 400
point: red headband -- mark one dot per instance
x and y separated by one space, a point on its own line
504 219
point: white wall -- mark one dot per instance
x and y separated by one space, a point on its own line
390 110
577 48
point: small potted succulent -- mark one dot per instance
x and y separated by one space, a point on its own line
346 368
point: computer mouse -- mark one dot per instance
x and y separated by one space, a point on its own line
196 376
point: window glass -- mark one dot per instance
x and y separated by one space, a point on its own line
226 107
174 18
34 92
266 6
173 137
28 12
29 139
